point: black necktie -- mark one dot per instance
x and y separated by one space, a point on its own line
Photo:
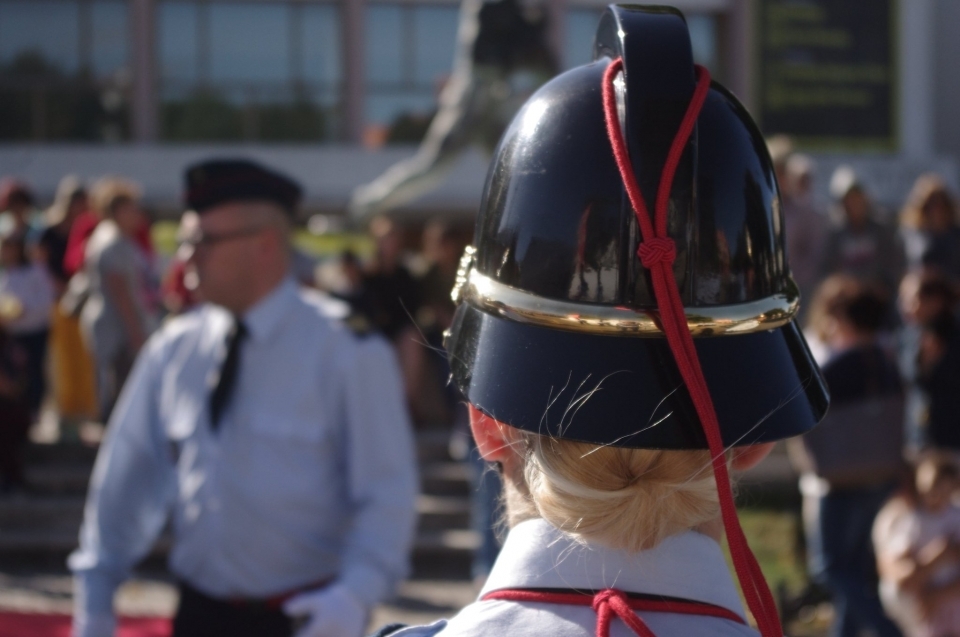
220 397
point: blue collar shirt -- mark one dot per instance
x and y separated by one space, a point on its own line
310 475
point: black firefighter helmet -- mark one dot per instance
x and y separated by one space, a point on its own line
557 330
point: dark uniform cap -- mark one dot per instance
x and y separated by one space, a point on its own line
217 181
557 331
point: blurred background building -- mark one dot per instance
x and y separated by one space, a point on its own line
335 91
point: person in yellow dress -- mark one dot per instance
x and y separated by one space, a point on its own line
71 367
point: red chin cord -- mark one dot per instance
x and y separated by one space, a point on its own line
657 253
610 603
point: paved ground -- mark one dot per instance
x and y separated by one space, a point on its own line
417 601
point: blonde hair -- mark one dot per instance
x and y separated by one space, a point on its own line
108 193
926 187
629 499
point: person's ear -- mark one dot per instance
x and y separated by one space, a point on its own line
744 458
489 436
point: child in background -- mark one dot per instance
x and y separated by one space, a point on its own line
917 540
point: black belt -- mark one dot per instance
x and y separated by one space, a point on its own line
254 604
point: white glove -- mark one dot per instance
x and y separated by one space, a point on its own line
93 625
330 612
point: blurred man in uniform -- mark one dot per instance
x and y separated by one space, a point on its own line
273 436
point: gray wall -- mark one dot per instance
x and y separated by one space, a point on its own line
328 172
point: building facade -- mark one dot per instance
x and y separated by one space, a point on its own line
123 85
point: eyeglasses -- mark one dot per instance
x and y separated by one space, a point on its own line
201 239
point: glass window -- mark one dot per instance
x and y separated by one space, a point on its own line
199 115
386 108
49 51
384 44
177 41
49 30
703 38
249 42
581 27
321 43
261 70
435 40
110 38
410 51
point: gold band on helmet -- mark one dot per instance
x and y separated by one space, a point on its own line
717 320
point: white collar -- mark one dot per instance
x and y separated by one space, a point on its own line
687 566
263 318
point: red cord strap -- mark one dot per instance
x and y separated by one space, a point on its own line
610 602
656 253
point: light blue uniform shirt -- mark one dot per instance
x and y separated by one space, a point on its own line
311 474
689 566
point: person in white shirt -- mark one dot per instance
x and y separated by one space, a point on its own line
26 287
625 338
122 309
271 436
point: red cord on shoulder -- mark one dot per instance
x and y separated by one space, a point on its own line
610 602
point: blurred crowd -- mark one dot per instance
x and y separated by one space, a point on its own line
78 282
881 475
82 287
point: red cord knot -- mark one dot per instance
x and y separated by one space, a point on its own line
657 250
603 597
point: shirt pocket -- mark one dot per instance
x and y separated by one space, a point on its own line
288 457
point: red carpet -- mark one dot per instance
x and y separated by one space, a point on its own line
42 625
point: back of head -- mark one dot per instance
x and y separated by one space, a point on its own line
627 499
937 478
627 310
925 294
933 283
15 195
927 187
844 180
108 194
69 190
861 306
